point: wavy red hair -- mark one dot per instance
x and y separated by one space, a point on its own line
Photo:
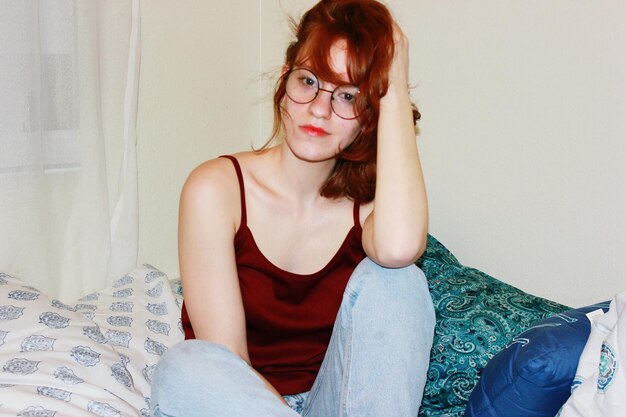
366 27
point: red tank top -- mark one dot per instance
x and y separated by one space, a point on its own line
289 317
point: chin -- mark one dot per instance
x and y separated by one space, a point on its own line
310 151
313 155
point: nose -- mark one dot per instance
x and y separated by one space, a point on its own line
321 106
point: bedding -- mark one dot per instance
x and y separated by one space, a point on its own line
96 356
93 357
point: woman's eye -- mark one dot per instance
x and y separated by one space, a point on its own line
311 82
347 97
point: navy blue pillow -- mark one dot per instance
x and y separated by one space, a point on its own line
533 375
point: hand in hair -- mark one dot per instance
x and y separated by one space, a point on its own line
399 68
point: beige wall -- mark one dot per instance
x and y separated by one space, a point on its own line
198 99
523 136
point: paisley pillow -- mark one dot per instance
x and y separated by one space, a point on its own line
477 316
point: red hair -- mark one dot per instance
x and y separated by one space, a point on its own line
366 27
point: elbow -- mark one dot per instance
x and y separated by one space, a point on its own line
401 254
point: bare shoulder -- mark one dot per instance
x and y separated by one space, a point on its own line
209 173
218 173
212 189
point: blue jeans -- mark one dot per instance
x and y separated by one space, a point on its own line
375 365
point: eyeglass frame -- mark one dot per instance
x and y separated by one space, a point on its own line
317 79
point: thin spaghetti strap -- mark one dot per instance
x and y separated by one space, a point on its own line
355 214
242 191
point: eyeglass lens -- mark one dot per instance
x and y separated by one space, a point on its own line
303 86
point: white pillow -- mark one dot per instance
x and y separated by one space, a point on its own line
96 356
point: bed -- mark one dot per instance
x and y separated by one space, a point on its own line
96 356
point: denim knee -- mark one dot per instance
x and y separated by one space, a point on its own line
189 365
401 289
184 358
197 378
385 327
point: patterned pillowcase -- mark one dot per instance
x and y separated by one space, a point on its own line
477 316
96 356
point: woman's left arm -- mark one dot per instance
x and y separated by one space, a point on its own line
394 233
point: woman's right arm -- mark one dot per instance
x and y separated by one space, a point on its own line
207 222
206 229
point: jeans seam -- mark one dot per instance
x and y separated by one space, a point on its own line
347 361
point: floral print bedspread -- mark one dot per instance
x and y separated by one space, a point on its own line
93 357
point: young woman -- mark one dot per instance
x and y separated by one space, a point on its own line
312 236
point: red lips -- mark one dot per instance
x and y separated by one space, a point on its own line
314 130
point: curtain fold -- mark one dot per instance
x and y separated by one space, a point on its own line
68 172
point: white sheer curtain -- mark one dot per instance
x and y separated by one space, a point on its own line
68 174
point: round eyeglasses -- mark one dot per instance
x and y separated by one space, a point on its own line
303 86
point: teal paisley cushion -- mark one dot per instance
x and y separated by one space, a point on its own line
477 316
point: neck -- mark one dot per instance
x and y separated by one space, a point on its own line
300 180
